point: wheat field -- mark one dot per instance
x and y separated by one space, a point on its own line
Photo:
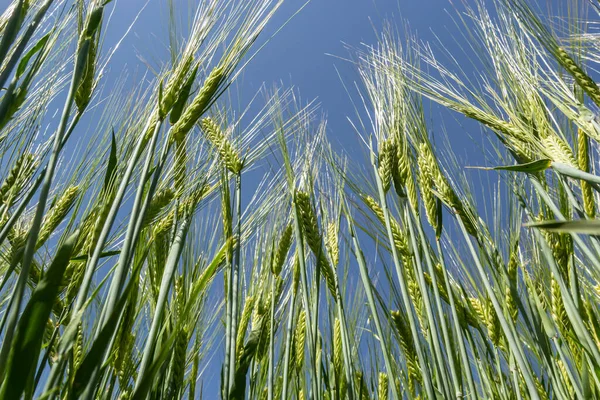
161 241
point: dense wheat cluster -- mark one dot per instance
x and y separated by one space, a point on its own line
151 236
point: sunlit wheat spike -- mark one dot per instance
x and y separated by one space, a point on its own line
565 376
57 213
399 163
193 199
300 340
486 316
542 391
538 289
175 82
78 349
430 202
15 175
587 84
159 202
247 312
310 227
163 225
416 297
309 221
558 150
295 274
228 154
430 166
382 386
264 328
199 104
86 87
331 243
400 239
411 191
559 313
283 248
479 308
337 347
407 345
387 156
589 202
505 128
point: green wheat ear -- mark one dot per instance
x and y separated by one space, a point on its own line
387 161
199 104
285 242
216 137
300 340
382 386
57 213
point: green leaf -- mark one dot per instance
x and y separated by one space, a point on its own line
161 111
585 379
238 389
112 163
94 22
184 93
25 60
85 257
584 226
575 173
209 273
26 345
530 167
148 380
